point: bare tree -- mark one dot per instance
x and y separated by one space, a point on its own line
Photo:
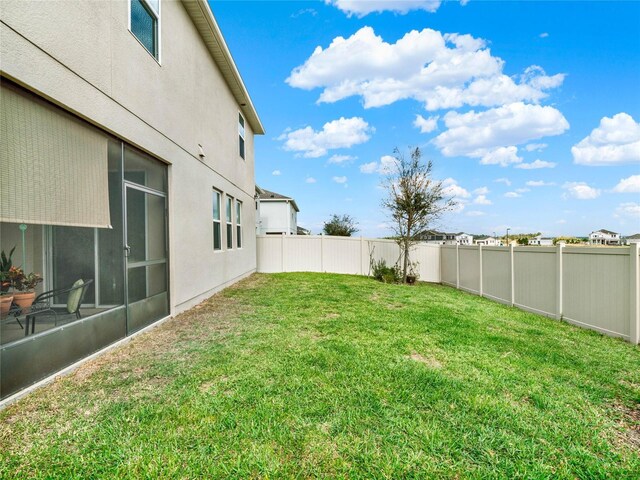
414 200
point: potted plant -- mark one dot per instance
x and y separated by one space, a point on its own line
5 265
24 286
5 296
412 275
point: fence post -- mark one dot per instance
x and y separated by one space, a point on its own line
322 252
480 279
457 266
361 256
634 283
560 292
282 250
513 276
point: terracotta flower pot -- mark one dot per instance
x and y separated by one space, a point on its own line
24 299
5 304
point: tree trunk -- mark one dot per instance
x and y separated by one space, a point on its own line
405 266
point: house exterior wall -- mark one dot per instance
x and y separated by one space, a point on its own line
604 238
82 57
277 217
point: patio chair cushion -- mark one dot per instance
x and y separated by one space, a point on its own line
74 296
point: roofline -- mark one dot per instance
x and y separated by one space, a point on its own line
288 200
206 25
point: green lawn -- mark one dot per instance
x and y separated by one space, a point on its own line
316 376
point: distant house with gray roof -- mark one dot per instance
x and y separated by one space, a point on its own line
276 214
604 237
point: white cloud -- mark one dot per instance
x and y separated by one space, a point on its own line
452 189
492 134
385 166
310 180
482 200
360 8
426 125
536 164
512 195
340 179
628 209
276 173
562 221
371 167
481 191
581 190
523 190
305 11
341 133
464 2
539 183
544 35
475 213
502 156
341 158
506 181
535 147
628 185
615 142
436 69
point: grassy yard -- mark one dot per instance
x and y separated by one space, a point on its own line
316 376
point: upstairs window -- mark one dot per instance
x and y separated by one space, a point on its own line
217 227
229 222
144 19
241 134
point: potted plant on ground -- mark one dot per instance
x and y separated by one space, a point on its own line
24 286
413 275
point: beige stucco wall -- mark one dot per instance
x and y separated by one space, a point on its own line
81 56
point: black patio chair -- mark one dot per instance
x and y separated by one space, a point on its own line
43 304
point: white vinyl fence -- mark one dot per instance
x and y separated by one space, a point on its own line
322 253
596 288
593 287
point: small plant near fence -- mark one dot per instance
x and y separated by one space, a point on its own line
383 273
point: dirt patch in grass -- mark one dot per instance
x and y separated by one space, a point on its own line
629 433
211 320
430 362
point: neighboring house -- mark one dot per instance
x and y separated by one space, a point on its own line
604 237
127 148
442 238
278 214
303 231
541 241
632 239
487 241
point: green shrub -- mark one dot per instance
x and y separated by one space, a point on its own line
383 273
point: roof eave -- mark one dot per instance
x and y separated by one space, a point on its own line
204 21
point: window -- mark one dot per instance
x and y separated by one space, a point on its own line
217 228
241 134
144 19
239 223
229 222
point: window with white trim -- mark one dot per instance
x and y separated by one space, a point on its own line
229 222
144 23
239 223
241 134
217 227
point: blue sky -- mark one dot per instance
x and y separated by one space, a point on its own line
488 90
